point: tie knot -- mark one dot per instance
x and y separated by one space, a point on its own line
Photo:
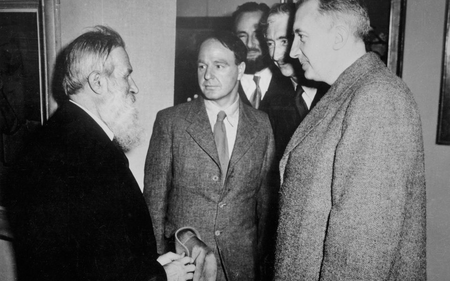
221 116
256 79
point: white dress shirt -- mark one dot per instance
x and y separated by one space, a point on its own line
249 85
308 94
231 121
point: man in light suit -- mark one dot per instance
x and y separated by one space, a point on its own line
353 185
76 210
187 183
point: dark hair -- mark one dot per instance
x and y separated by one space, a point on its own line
231 42
88 53
352 12
247 8
279 8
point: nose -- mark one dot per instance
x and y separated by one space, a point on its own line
295 49
208 73
278 53
133 88
252 41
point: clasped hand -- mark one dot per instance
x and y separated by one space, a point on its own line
177 267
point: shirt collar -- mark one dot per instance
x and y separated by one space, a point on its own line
231 111
249 85
97 120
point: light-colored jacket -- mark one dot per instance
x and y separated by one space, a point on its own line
353 184
183 187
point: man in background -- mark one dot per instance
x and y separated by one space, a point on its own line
208 162
290 106
262 80
76 210
353 186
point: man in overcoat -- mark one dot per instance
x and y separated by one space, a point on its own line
186 182
75 208
353 185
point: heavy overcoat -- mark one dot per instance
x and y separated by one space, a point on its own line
76 211
353 185
183 184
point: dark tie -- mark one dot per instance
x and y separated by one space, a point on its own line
220 136
256 97
300 103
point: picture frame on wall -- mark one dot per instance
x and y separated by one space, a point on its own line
25 41
443 130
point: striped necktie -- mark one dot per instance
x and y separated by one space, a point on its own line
256 97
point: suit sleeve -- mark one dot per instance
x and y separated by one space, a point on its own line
158 178
378 190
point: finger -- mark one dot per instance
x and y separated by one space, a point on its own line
189 268
186 260
173 256
189 276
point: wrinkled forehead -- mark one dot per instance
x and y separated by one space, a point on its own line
213 48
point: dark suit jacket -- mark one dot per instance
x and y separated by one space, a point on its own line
78 213
279 104
183 184
353 184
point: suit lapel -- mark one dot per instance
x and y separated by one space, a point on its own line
313 119
242 95
246 135
200 129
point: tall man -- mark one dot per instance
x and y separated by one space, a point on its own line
290 106
207 165
353 187
76 210
261 81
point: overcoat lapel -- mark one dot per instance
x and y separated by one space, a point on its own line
200 129
313 119
334 98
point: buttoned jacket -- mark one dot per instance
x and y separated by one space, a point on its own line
353 186
183 185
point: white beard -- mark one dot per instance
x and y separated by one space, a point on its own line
121 116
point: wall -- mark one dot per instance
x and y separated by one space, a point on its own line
151 43
148 29
211 8
423 55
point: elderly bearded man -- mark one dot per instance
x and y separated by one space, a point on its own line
76 211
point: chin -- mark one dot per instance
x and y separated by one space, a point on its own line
287 72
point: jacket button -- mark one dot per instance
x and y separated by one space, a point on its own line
217 233
215 178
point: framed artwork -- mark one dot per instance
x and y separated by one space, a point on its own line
24 75
443 130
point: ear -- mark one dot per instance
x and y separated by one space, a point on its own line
241 69
96 82
341 36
